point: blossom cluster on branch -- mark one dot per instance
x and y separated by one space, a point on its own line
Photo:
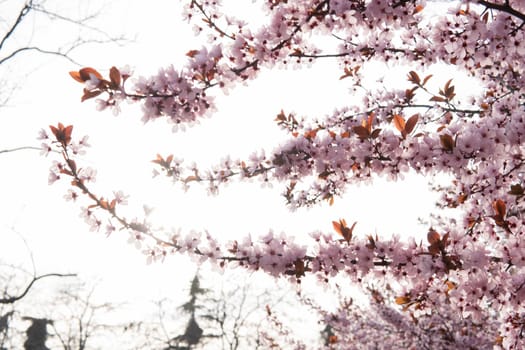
470 272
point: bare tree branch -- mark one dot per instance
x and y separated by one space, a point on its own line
34 48
20 149
23 12
11 300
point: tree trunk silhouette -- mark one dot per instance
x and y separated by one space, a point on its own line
36 334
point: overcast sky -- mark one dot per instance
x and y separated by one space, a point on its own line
122 148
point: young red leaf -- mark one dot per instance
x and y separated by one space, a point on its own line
90 94
342 229
402 300
369 122
418 9
371 242
345 134
114 76
76 75
159 160
62 133
516 190
347 73
447 142
413 77
438 99
192 53
86 73
361 131
500 208
411 123
399 122
426 79
375 133
433 236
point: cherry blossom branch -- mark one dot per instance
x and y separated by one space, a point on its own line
314 12
210 20
503 8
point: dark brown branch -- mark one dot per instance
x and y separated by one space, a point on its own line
23 12
11 300
503 8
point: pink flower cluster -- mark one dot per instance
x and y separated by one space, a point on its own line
462 288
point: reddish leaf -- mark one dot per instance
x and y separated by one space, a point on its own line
426 79
62 133
447 85
461 198
399 122
402 300
447 142
450 285
76 75
158 160
103 203
310 134
516 190
500 208
418 9
433 236
192 53
165 163
361 131
409 93
369 122
114 76
444 240
342 229
413 77
300 268
435 248
437 99
375 133
86 73
281 117
347 73
90 94
411 123
448 91
371 242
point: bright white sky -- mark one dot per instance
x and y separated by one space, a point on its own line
122 148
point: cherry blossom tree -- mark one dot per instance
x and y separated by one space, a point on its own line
469 274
